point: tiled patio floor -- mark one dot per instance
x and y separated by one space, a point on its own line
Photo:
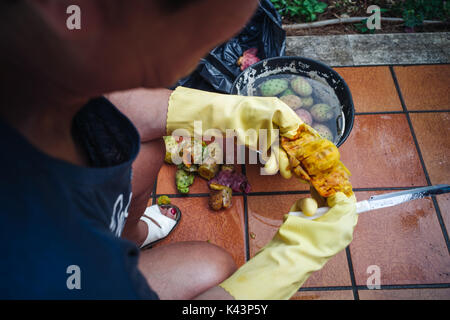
401 139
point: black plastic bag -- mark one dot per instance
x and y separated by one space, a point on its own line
218 70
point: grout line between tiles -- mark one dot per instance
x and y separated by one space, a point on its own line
352 273
378 113
246 230
400 112
382 287
154 191
422 162
335 288
441 222
389 65
408 286
428 111
278 193
408 118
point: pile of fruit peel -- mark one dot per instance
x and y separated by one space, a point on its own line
198 158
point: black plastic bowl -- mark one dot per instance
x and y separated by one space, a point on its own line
303 67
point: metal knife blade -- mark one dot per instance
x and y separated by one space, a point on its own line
386 200
395 198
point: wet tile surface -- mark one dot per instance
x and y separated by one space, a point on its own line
274 183
372 89
425 87
404 241
433 135
380 152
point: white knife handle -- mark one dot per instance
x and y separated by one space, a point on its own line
361 206
320 212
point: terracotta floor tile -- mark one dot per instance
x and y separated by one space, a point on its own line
223 228
380 152
405 294
265 215
432 131
323 295
444 206
425 87
404 241
263 183
372 88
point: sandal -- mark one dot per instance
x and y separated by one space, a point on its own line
159 226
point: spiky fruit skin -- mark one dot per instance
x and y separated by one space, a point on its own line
248 58
292 101
305 116
273 87
308 102
324 131
322 112
301 86
287 92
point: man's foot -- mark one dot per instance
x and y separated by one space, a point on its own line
157 222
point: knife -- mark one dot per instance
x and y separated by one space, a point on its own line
385 200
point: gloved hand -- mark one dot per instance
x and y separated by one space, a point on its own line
222 112
299 248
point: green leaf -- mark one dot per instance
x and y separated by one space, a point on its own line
320 7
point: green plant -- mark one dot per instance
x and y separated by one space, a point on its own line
305 10
414 12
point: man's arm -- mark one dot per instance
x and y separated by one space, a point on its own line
146 108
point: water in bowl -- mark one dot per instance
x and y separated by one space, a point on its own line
314 101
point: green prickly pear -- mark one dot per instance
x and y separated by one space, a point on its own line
301 86
273 87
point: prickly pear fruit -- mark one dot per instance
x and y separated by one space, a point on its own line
273 87
324 131
322 112
287 92
248 58
307 102
292 101
305 116
301 86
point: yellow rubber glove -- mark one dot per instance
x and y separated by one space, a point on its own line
240 113
299 248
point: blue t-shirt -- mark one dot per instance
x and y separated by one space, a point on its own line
60 224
